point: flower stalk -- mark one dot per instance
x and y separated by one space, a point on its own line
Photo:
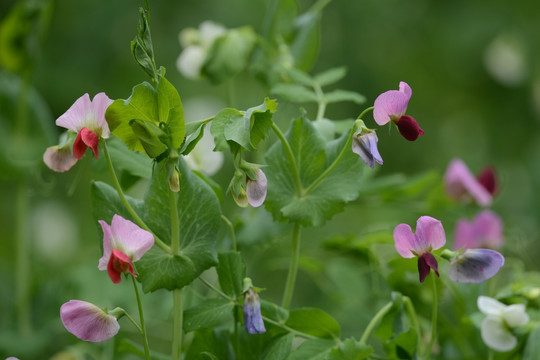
141 317
293 268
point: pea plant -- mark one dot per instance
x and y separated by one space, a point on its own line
170 240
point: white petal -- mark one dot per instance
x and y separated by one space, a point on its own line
495 334
490 306
515 315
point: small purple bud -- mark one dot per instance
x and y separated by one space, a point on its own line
365 145
426 262
409 128
252 313
475 265
256 189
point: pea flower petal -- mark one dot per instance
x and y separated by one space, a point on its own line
475 266
252 313
392 105
59 160
125 237
365 145
409 128
484 231
87 321
256 189
461 183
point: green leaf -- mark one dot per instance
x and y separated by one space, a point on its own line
312 157
278 348
229 54
344 95
134 163
194 134
532 349
199 217
294 93
306 40
314 322
208 314
312 350
350 349
171 111
141 46
299 77
274 312
330 76
210 344
149 135
219 124
231 271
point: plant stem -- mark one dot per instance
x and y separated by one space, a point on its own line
141 316
221 293
433 317
178 330
175 226
293 268
285 327
332 166
374 321
364 112
133 322
320 101
128 207
414 321
290 156
231 228
22 273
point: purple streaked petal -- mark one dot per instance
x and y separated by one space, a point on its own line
88 322
60 160
391 105
252 313
365 145
256 189
460 181
475 265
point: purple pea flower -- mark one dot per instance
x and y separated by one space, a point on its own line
461 184
256 189
429 236
391 106
475 265
253 320
87 118
485 231
88 322
365 144
123 243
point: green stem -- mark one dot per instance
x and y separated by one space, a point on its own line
433 317
231 228
134 323
414 321
23 264
175 226
285 327
141 316
293 268
128 207
365 112
290 156
374 322
332 166
221 293
177 324
321 102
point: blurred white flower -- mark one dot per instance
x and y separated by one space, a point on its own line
505 60
501 319
196 44
202 158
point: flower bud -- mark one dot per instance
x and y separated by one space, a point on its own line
59 159
253 320
256 189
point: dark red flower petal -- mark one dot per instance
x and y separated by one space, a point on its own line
79 147
118 264
409 128
91 139
488 179
426 262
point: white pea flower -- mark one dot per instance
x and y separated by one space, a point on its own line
501 319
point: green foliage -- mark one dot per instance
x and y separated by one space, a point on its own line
142 48
532 349
350 349
312 350
229 54
278 348
208 314
232 128
150 120
294 93
231 271
314 322
312 156
330 76
210 344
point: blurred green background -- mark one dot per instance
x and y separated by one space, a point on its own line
474 68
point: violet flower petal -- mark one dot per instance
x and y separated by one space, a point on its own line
404 240
459 181
88 322
475 265
365 145
392 105
253 320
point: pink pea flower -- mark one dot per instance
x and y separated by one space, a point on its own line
429 236
88 322
485 231
256 189
87 119
475 265
59 160
123 243
391 106
461 183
